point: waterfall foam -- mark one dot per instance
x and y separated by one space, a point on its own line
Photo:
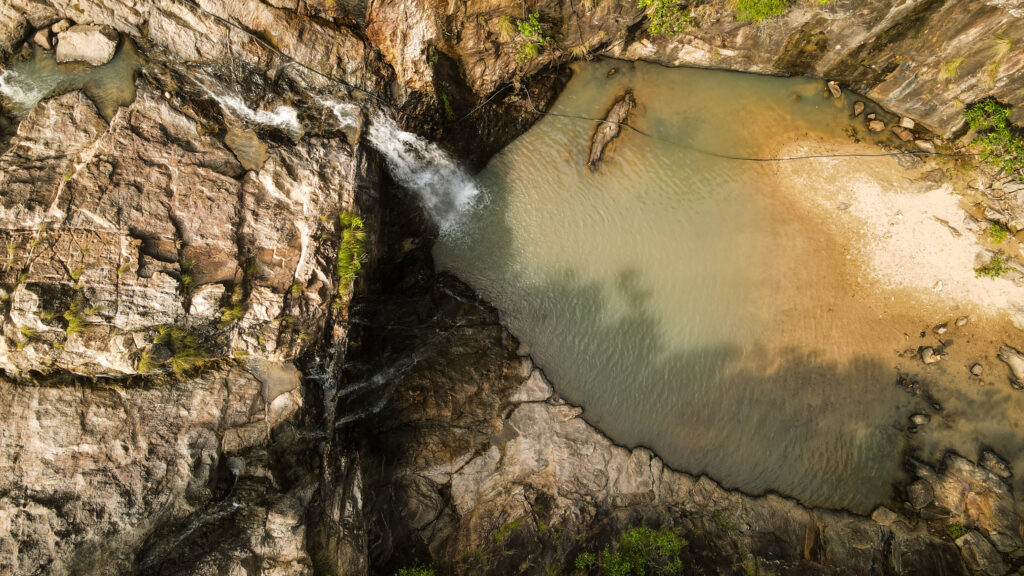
21 91
444 188
284 117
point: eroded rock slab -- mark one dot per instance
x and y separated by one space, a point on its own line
610 128
87 43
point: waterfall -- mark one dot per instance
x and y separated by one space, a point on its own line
445 190
283 117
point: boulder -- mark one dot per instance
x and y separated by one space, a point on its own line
858 108
876 125
87 43
903 133
1015 360
42 39
929 356
920 494
925 146
60 26
980 556
994 464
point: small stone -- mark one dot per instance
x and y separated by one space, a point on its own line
920 494
167 95
42 39
876 125
884 516
858 108
925 146
938 285
941 328
871 116
833 87
977 369
611 72
961 321
60 26
907 123
903 134
994 464
920 419
928 355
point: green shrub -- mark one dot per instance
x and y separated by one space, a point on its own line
995 268
351 250
1000 143
531 33
641 551
416 571
760 10
667 17
998 233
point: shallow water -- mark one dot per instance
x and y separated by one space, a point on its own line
685 300
27 81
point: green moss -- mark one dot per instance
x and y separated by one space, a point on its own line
955 531
186 350
351 251
1000 143
296 289
760 10
995 268
667 17
231 313
449 112
76 273
76 321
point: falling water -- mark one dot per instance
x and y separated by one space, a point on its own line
445 190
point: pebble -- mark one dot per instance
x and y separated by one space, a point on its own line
833 87
871 116
941 328
961 321
928 355
925 146
907 123
904 134
976 369
937 286
920 419
876 125
858 108
167 95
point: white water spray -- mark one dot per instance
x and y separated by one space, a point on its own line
284 117
445 190
21 91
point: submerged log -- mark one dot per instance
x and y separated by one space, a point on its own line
609 129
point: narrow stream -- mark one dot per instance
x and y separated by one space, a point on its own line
693 304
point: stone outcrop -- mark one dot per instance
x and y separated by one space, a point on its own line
86 43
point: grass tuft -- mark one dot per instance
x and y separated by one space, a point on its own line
351 251
760 10
950 69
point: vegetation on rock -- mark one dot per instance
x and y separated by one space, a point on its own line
667 16
531 34
995 268
998 233
760 10
1001 144
350 251
641 551
417 571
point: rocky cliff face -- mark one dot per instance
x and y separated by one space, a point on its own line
175 386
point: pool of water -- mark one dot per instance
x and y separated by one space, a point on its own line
690 303
35 75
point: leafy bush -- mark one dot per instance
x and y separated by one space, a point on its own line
531 32
1000 143
641 551
995 268
667 17
760 10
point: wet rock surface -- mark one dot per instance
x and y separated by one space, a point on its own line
610 128
155 285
